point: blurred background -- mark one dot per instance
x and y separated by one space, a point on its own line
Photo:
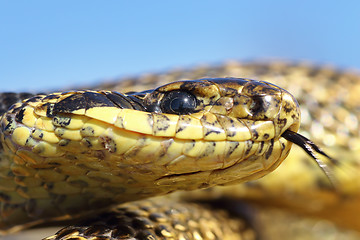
47 45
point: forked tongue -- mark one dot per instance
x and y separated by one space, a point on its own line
312 150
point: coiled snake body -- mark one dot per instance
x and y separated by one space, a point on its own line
77 153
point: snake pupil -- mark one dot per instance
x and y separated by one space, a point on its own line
178 102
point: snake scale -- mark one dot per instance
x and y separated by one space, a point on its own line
330 117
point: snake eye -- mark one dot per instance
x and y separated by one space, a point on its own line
178 102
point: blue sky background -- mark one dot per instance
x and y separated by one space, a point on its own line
46 45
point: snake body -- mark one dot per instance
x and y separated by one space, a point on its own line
136 147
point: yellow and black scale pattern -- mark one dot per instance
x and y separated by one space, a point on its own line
52 133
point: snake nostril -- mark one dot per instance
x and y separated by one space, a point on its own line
257 106
264 107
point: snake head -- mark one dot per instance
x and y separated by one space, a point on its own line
231 128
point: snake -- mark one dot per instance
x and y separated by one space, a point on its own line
78 154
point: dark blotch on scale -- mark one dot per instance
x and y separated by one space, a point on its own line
137 102
8 126
270 149
33 99
20 115
119 99
262 143
85 101
61 121
51 96
125 101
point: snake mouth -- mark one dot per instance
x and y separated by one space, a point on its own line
239 171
